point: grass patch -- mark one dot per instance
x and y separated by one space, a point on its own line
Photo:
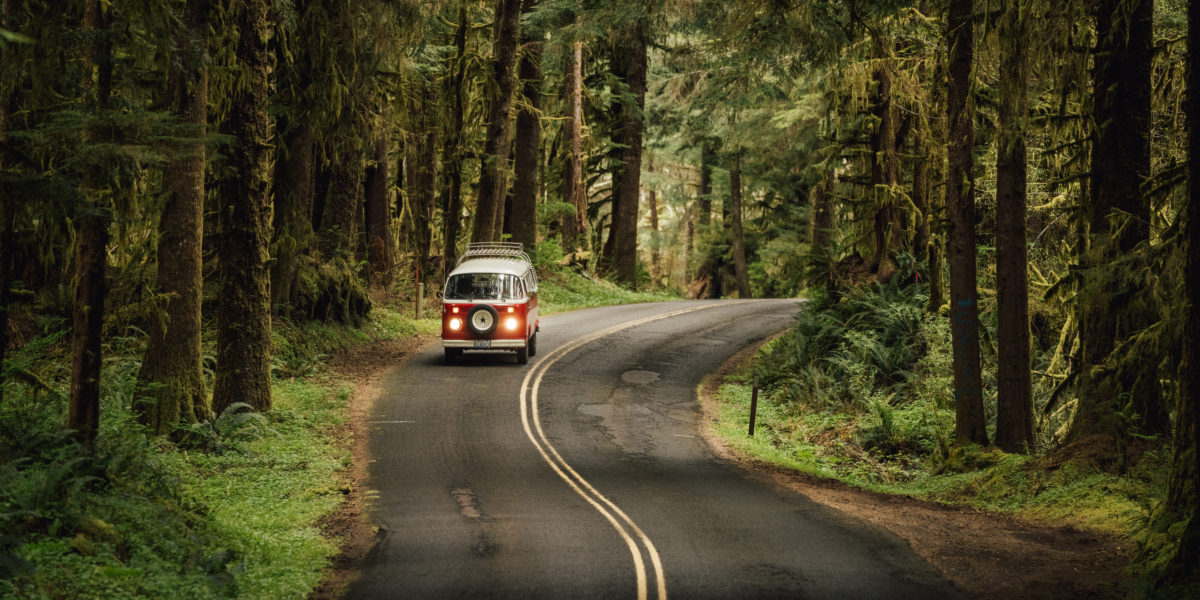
230 510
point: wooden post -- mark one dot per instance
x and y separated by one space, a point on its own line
753 404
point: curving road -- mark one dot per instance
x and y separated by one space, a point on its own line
582 475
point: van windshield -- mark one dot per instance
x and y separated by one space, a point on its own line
484 286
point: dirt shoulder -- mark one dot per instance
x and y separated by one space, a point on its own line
985 555
364 367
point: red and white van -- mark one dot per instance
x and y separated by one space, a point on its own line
490 302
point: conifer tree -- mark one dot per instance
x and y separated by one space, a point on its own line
960 202
1014 409
243 371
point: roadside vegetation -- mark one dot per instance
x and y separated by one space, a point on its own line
858 390
228 506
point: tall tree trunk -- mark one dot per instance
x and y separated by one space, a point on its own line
1183 498
655 254
575 224
920 193
528 138
91 254
628 189
91 241
7 215
1014 405
735 214
488 209
822 235
421 183
705 192
378 211
243 307
960 202
295 189
1120 165
170 386
339 221
452 148
885 170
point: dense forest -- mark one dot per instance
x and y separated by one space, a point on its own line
181 176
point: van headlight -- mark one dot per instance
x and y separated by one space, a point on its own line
455 324
511 323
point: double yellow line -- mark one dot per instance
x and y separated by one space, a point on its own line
626 528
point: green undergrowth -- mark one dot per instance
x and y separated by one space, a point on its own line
227 507
562 288
860 391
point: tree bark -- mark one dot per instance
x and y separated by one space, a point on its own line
628 184
655 254
243 309
170 387
339 219
735 213
1120 165
489 207
960 202
575 224
91 255
1183 498
452 147
822 234
920 193
704 217
295 190
1014 405
378 212
885 169
528 138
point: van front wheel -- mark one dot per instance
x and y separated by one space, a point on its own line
522 356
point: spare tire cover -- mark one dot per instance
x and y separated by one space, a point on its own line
482 319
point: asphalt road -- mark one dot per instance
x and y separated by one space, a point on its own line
582 475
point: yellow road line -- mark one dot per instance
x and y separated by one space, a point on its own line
610 511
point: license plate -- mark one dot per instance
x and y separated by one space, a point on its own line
483 344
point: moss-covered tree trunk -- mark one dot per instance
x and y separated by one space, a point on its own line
243 371
1120 165
421 181
528 137
295 187
343 203
574 224
1183 498
1014 405
960 202
451 187
704 200
628 184
91 247
821 235
378 212
885 165
91 241
170 386
489 208
735 224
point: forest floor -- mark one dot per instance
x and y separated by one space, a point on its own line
986 555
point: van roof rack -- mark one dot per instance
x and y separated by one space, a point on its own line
513 250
